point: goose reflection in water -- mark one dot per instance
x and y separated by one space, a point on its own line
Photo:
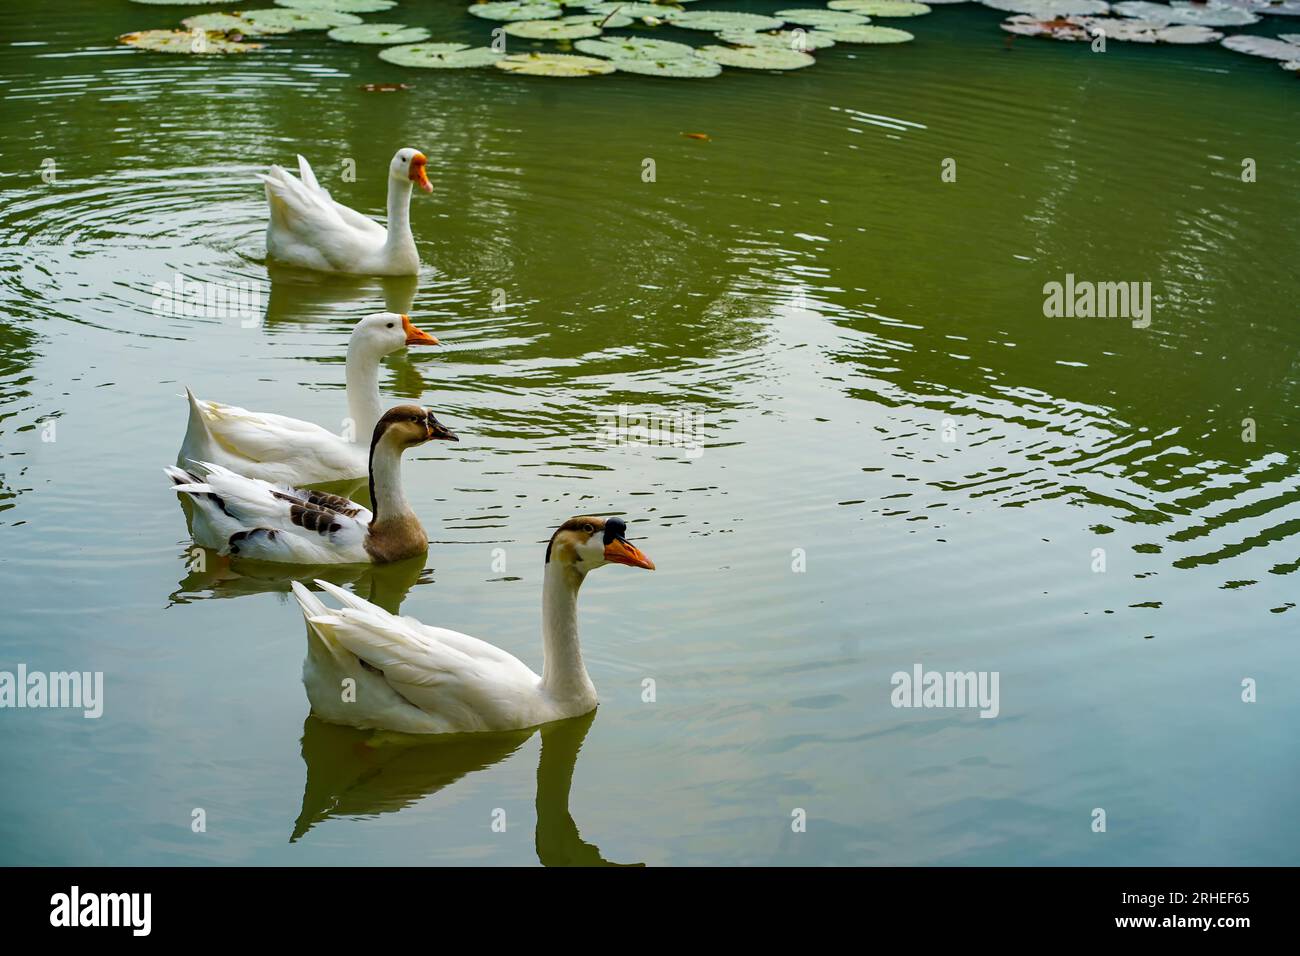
213 576
297 295
355 773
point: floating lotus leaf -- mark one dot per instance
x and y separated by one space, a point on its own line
634 48
516 11
828 19
628 9
678 67
339 6
785 39
1189 33
554 64
552 30
1263 46
225 22
606 21
1289 37
1206 16
871 34
182 41
715 21
277 17
1080 29
1048 9
758 57
440 56
385 33
881 8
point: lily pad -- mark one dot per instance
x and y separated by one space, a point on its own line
554 64
1049 9
512 11
634 48
677 67
440 56
881 8
1263 46
871 34
552 29
758 57
339 6
1184 33
227 22
1202 15
182 41
627 9
715 21
605 21
384 33
278 17
785 39
828 19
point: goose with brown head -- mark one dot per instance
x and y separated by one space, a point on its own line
395 532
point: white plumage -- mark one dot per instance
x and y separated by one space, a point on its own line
308 229
277 448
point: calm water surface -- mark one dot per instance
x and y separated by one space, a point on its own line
807 284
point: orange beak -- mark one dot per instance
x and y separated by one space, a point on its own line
416 336
619 551
418 162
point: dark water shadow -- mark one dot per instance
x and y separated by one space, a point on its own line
298 295
359 774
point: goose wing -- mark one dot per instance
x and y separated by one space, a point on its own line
350 216
467 683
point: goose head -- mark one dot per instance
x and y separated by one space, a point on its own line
586 542
408 165
386 332
406 426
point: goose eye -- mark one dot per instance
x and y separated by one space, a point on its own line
390 325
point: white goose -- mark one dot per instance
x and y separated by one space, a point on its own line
280 449
417 679
310 230
252 518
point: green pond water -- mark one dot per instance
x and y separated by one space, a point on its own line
832 310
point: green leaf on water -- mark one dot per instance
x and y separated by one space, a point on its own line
225 22
277 17
186 42
678 67
383 33
1049 9
1263 46
439 56
553 29
634 48
785 39
822 18
715 21
1204 15
554 64
516 11
339 6
758 57
628 9
871 34
881 8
